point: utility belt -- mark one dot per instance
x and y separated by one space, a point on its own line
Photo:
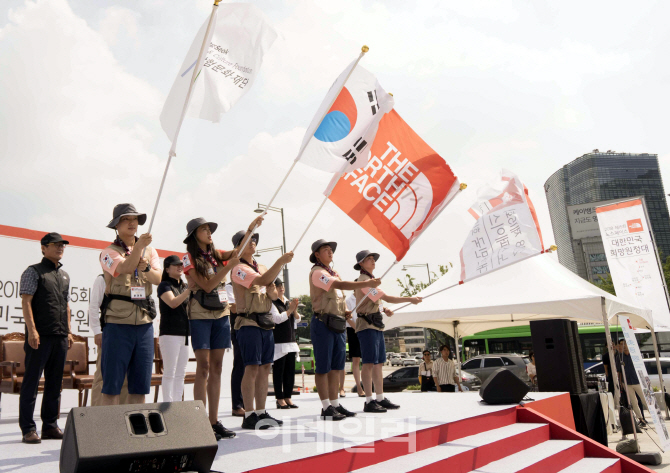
333 322
147 304
264 320
374 319
209 300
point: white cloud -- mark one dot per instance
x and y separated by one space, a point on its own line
117 19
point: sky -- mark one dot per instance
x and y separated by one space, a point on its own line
489 84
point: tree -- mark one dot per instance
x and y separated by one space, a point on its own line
306 316
410 287
606 284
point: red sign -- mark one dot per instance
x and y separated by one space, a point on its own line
401 190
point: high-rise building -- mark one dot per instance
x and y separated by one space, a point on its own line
598 177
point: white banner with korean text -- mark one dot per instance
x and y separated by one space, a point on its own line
645 382
631 257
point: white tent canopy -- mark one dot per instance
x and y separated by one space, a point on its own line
535 289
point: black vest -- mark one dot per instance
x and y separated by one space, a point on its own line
49 302
173 321
285 331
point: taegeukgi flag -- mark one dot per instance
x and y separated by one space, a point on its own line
403 187
341 143
507 229
239 38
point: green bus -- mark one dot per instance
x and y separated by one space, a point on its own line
592 339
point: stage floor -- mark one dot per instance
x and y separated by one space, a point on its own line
303 435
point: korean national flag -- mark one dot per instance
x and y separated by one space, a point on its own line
341 143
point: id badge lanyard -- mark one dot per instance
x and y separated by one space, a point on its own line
137 291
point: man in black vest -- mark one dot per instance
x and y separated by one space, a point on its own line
286 348
44 299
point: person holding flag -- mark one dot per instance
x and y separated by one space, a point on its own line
328 326
131 268
254 325
369 329
206 269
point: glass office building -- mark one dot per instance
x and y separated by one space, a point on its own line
601 176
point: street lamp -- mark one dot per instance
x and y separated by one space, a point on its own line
405 266
265 250
264 208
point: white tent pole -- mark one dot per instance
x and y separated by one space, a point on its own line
364 50
660 374
610 348
628 396
458 356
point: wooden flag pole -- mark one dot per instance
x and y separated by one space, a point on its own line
364 50
461 188
196 72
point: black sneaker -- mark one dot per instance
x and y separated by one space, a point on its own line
267 418
385 403
331 414
251 421
373 406
345 412
221 432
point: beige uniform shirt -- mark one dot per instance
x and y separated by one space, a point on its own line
369 306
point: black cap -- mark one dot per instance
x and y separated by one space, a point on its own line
171 260
194 224
52 237
121 210
361 255
318 244
239 236
279 282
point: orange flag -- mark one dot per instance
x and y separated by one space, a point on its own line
402 189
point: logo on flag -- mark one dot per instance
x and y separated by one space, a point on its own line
634 225
342 140
324 279
186 260
241 274
400 191
107 260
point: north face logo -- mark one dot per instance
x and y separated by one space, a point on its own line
411 207
634 225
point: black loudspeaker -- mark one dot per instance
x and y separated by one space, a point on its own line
170 436
558 356
503 387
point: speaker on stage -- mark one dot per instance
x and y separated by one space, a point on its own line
558 356
503 387
164 437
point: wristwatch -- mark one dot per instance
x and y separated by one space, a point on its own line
147 269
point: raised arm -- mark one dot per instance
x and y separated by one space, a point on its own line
208 285
271 274
352 285
398 300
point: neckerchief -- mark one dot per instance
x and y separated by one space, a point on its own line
330 271
367 274
253 264
120 242
207 255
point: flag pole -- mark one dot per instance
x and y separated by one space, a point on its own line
551 248
196 73
461 188
364 50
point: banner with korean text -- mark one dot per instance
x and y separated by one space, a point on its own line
645 382
507 229
21 248
631 257
403 187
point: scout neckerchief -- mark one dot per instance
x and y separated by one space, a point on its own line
367 274
121 243
207 255
330 271
253 264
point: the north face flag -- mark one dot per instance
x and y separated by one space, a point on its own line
403 187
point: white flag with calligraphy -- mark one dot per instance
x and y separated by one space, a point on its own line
506 231
239 38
